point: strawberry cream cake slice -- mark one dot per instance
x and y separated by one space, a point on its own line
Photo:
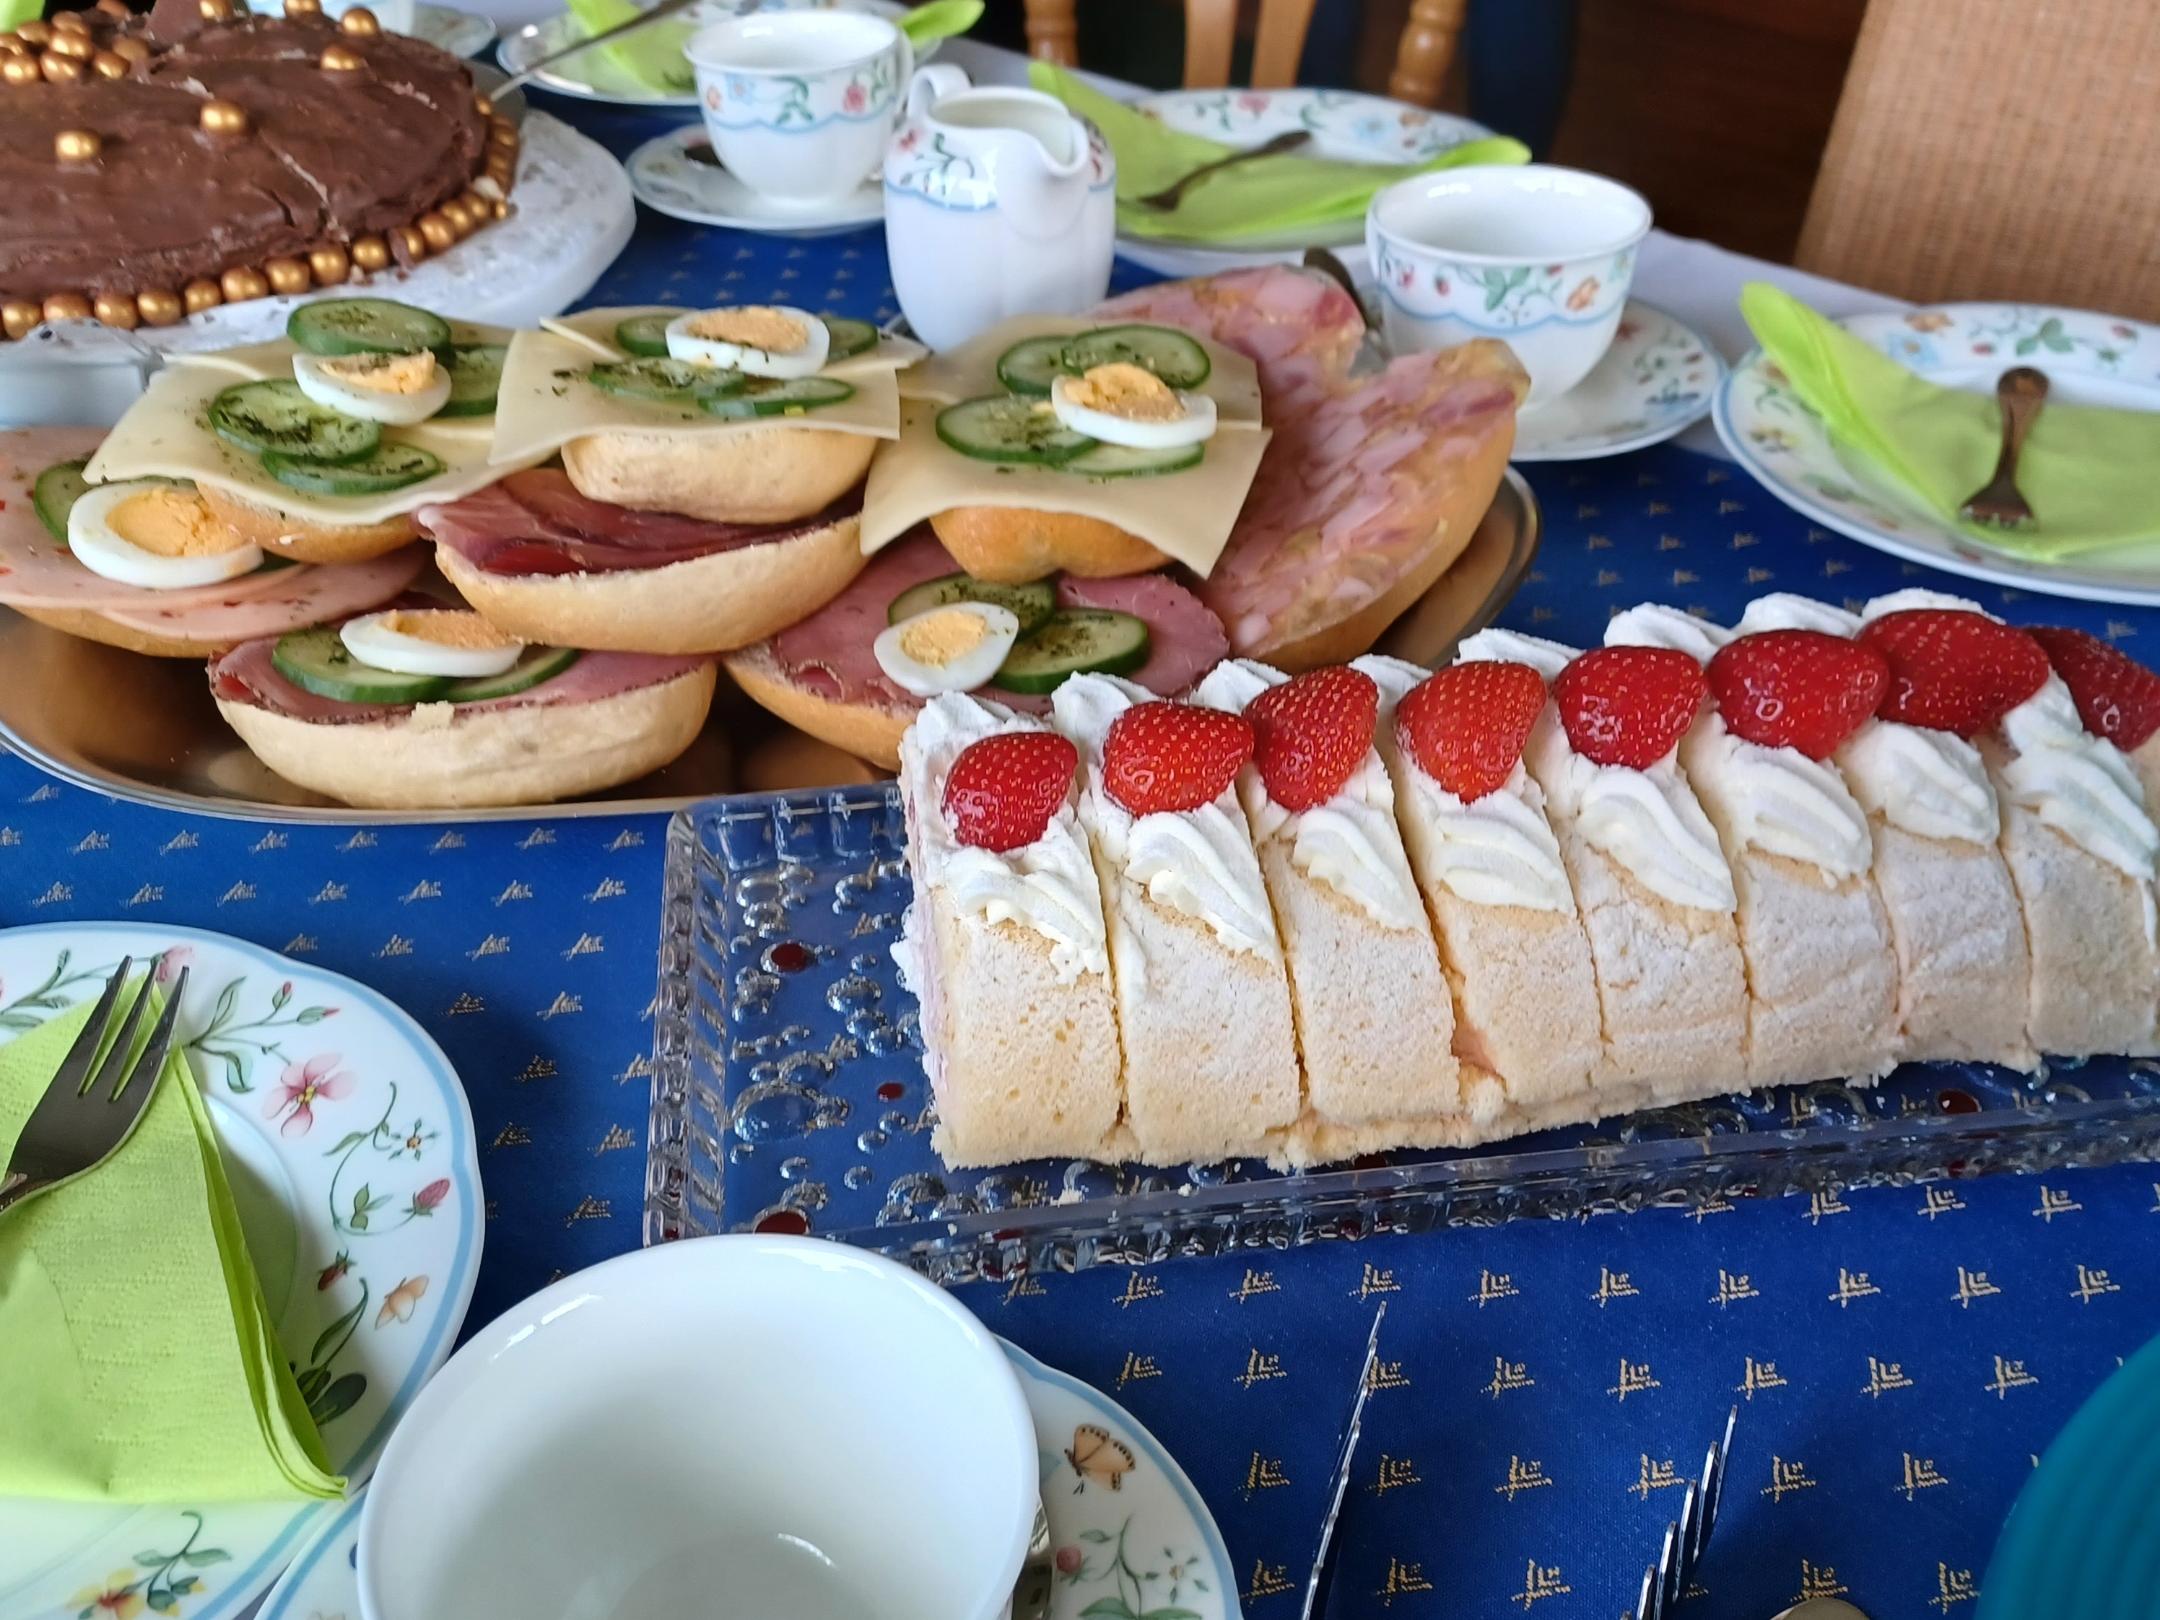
1822 975
1375 1022
2075 832
1511 941
1650 879
1211 1061
1005 945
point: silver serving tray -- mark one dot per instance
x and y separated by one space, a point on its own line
145 729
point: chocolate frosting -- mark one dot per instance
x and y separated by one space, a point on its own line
330 156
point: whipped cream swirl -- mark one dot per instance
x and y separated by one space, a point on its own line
1780 801
1651 624
2079 784
1930 783
1498 646
1781 610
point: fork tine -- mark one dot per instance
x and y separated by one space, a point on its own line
1666 1564
1714 1469
1690 1539
115 1067
1644 1601
159 1046
74 1072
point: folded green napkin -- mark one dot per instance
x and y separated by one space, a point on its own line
1263 197
140 1362
14 13
2087 472
649 60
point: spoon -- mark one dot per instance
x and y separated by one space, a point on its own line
1172 194
2020 391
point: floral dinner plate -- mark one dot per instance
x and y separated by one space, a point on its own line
1130 1537
2089 359
350 1150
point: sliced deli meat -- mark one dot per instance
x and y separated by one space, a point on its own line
301 596
1372 485
536 523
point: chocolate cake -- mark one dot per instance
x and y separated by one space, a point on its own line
152 167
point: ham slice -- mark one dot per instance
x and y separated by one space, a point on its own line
247 675
303 596
1367 478
829 653
536 522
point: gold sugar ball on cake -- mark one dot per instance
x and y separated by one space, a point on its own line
330 266
483 104
215 11
69 22
116 309
114 8
340 59
18 315
36 31
11 44
303 8
131 50
67 307
198 296
360 22
21 70
288 276
78 146
240 285
109 65
223 118
77 46
475 205
459 216
371 253
59 69
408 244
502 134
435 231
159 307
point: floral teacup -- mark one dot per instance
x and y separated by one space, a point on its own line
799 103
1536 256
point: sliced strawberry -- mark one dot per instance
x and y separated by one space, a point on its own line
1003 790
1797 688
1173 756
1628 705
1467 724
1311 732
2117 697
1952 670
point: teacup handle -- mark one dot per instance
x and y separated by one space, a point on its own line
933 84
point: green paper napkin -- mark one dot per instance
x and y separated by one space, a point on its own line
2089 473
651 59
1263 197
140 1362
14 13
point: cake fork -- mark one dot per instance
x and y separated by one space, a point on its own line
1665 1583
2020 391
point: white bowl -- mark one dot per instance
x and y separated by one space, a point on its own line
1537 256
737 1428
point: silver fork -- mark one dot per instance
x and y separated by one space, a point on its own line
87 1111
1666 1582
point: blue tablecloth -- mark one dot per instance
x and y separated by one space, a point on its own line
1899 1357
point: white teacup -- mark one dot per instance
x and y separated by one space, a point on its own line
799 103
1537 256
737 1428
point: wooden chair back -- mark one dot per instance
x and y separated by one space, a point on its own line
1988 149
1421 56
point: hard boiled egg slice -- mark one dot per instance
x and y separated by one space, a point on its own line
760 340
429 641
156 533
1129 405
947 649
395 389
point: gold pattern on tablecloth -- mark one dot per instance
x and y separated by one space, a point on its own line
1852 1285
1139 1286
1635 1379
1136 1366
1883 1377
1654 1474
1972 1285
2053 1203
1268 1580
1256 1283
539 1068
1394 1474
1523 1474
1509 1375
1259 1369
1543 1581
466 1004
493 945
2092 1282
1921 1474
1936 1201
1386 1375
1612 1285
618 1137
512 1135
1375 1281
1952 1587
1786 1478
2009 1374
1818 1581
1732 1287
1402 1578
1758 1375
1263 1474
1499 1285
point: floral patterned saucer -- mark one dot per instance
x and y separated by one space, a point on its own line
350 1149
1658 377
677 174
2089 359
1130 1537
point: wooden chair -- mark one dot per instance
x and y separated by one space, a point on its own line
1421 57
1989 149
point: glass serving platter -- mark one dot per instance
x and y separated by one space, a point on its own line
788 1095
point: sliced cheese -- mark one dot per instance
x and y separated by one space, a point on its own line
545 402
971 370
254 361
595 328
1187 515
165 434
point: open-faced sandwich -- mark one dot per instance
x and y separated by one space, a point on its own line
709 492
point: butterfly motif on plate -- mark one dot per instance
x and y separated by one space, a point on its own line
1098 1457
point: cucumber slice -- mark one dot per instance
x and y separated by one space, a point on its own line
366 326
771 396
1121 461
274 416
1174 356
1074 641
1002 427
475 377
55 493
1030 367
317 661
664 382
392 466
846 338
534 665
1030 604
644 337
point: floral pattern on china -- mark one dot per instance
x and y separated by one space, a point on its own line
1496 298
366 1267
924 163
1384 131
790 103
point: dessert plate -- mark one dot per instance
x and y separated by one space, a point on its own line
350 1148
1148 1537
461 33
1657 379
677 174
1344 124
2089 359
